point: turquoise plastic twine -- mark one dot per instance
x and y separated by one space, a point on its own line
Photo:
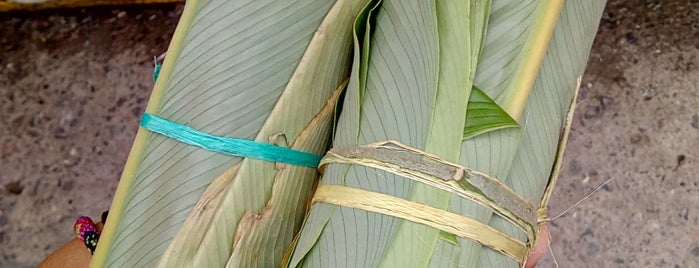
156 68
227 145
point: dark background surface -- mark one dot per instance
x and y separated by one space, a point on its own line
73 84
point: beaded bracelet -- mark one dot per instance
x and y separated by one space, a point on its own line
86 231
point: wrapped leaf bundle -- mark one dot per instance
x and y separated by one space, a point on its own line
444 154
467 182
269 71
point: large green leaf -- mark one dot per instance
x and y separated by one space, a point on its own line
406 83
264 233
400 110
459 41
261 70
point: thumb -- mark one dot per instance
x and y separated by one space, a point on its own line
541 247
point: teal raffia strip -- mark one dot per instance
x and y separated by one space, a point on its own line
227 145
156 68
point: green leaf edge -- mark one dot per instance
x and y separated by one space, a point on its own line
361 31
449 238
483 115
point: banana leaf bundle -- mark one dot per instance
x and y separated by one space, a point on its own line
268 71
427 170
444 152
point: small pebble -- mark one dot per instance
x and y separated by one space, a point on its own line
647 94
630 38
606 101
587 232
14 188
680 160
592 112
638 138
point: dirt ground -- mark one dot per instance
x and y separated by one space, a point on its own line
637 124
73 84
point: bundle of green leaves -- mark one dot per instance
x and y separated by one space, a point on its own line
478 88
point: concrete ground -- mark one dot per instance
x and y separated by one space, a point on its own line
637 123
73 84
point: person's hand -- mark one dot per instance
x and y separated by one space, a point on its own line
71 254
541 247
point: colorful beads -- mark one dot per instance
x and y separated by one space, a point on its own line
87 232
